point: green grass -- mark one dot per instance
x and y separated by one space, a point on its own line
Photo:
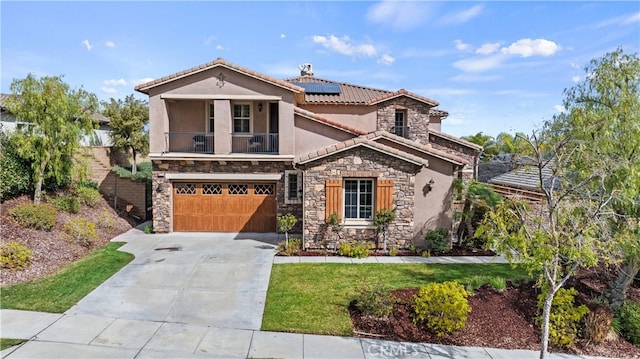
60 291
6 343
313 298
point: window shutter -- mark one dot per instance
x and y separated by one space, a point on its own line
384 195
333 189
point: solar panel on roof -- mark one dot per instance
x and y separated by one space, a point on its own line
320 87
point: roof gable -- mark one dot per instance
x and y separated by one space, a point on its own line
427 149
403 93
361 141
219 62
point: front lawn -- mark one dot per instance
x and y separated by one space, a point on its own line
313 297
60 291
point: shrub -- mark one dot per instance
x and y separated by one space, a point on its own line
89 196
295 245
498 283
88 184
38 216
627 318
14 255
354 249
598 324
67 204
475 282
442 307
106 220
148 229
393 251
15 173
436 240
81 231
374 300
564 317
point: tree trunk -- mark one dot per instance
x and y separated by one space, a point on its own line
463 220
37 194
546 312
134 167
618 288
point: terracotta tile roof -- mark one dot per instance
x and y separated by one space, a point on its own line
436 112
424 148
455 139
357 142
315 117
144 88
349 94
402 92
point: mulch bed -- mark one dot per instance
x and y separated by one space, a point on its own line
454 252
52 250
498 320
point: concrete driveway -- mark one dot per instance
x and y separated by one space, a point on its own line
209 279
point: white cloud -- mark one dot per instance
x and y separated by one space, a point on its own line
479 64
282 36
141 81
219 47
462 16
558 108
460 45
87 44
386 59
344 46
575 65
488 48
110 44
575 79
619 20
529 47
401 15
632 19
108 90
209 40
119 82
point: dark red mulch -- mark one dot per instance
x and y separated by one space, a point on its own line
454 252
498 320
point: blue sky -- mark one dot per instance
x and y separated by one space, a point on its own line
494 66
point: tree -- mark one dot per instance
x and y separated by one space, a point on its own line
514 145
562 234
478 199
487 142
603 113
58 117
127 121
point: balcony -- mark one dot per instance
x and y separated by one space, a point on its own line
266 143
194 142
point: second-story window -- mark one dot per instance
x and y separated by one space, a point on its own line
211 116
400 126
241 118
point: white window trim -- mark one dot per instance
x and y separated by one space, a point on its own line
358 222
233 118
287 199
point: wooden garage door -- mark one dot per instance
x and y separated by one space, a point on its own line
224 207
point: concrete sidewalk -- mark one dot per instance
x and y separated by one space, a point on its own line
202 295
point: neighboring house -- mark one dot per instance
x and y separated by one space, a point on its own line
523 182
100 137
232 149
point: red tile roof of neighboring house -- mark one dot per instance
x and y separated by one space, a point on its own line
424 148
357 142
144 88
455 139
315 117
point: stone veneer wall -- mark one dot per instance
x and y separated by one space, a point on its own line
417 117
364 163
162 199
468 154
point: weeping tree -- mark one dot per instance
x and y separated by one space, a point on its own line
57 117
603 115
563 233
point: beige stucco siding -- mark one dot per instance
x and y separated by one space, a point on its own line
360 117
311 136
187 116
433 206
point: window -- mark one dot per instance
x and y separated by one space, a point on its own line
211 116
241 118
358 199
400 125
293 187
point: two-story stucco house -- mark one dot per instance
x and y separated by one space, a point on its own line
232 149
